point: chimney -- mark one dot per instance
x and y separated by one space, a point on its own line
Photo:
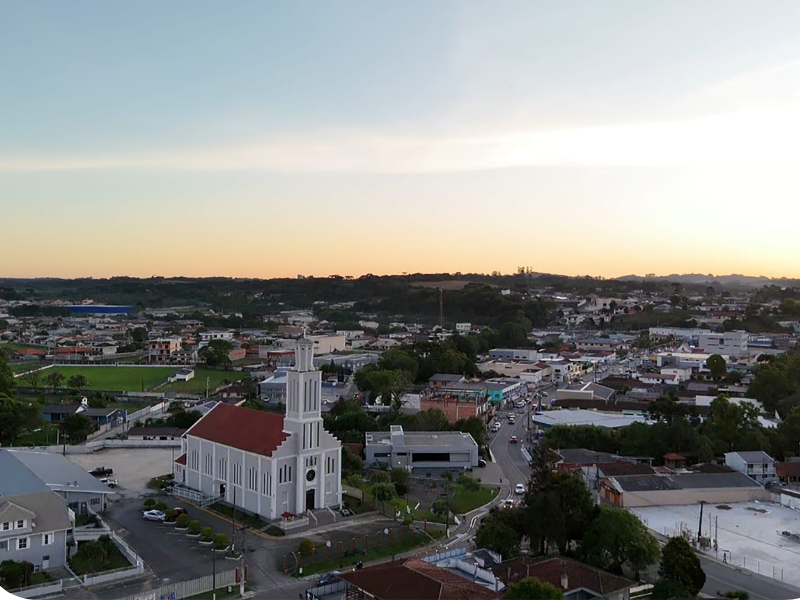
564 581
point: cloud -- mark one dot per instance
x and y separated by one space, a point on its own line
763 137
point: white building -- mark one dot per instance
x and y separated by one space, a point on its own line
268 464
756 464
421 449
731 343
216 334
463 328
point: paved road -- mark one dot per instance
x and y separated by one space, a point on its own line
509 456
722 578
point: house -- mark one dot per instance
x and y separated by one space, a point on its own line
421 449
576 580
658 379
181 375
268 463
33 528
509 354
674 461
730 343
79 490
755 463
101 416
455 406
680 488
216 334
411 578
161 350
463 328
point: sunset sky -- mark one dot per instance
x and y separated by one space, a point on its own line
268 138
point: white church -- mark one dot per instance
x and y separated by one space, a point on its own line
266 463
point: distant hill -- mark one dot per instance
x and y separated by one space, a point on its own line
734 280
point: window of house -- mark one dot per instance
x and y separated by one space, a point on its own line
3 544
6 525
47 539
21 524
750 466
22 543
94 501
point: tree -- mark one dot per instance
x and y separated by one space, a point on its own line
400 478
216 353
77 427
77 382
501 531
440 507
54 379
8 386
513 335
616 538
680 563
717 366
15 574
16 417
383 492
306 545
32 378
97 401
530 587
667 589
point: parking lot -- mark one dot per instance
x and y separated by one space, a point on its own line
133 468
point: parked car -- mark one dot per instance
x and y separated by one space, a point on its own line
154 515
101 472
179 510
512 439
329 578
519 489
112 483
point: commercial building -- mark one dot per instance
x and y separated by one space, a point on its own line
680 488
508 354
756 464
421 449
730 343
551 418
161 350
270 464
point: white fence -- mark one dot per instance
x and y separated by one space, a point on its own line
147 410
96 445
43 589
184 589
115 575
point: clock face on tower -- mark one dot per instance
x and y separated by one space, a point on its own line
310 475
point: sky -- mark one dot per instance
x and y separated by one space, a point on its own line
270 139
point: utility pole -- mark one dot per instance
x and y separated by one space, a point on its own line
441 308
233 524
241 575
700 525
213 574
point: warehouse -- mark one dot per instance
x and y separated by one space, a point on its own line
422 449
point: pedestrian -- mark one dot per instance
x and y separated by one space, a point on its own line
724 558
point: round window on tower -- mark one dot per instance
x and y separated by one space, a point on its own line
311 474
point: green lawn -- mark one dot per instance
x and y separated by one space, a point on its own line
411 540
46 435
465 500
117 379
19 367
197 385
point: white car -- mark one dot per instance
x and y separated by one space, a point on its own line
154 515
109 482
519 489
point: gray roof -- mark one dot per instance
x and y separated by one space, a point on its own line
445 377
63 409
582 456
754 456
17 478
58 472
600 390
424 438
50 510
684 481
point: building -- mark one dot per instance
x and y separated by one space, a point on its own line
155 433
79 490
181 375
589 391
788 471
411 578
445 379
463 328
216 334
551 418
519 354
161 350
270 464
755 464
323 344
33 528
680 488
421 449
576 580
101 416
730 343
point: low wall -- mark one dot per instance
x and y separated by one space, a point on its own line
97 445
116 575
37 591
185 589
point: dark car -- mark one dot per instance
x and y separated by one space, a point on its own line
328 578
101 472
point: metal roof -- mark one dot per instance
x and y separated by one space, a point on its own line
59 473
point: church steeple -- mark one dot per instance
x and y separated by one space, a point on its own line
304 397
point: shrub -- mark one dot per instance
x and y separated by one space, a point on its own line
15 574
306 545
400 479
161 506
220 541
207 534
182 521
439 506
149 503
407 522
170 514
354 480
194 526
468 483
274 531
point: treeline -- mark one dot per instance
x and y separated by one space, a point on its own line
728 427
777 382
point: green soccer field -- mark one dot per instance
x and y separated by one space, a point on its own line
197 385
116 379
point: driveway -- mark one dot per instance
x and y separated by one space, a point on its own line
133 467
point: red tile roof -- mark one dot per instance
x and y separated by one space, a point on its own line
673 456
414 578
579 575
250 430
181 460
